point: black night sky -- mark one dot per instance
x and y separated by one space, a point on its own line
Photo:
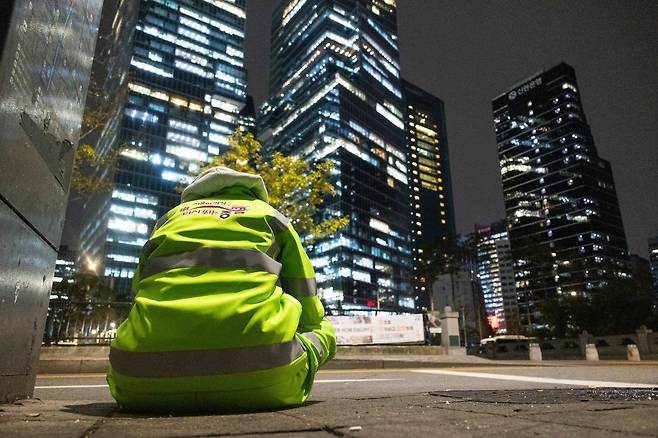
466 53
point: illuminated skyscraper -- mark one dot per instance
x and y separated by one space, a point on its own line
336 95
177 78
247 117
566 229
653 261
430 188
496 276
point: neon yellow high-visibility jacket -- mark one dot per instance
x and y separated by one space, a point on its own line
226 314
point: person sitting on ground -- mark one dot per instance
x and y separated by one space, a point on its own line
226 314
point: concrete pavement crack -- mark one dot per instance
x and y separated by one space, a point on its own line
333 431
620 408
461 399
385 397
324 427
94 427
532 417
267 433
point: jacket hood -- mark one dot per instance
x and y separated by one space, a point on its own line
215 179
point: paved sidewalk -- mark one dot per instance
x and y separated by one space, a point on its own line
594 413
376 361
62 364
56 360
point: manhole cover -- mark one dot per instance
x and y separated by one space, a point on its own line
552 396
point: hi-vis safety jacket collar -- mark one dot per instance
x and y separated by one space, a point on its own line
214 180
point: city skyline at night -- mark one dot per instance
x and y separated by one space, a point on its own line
466 54
328 217
476 200
177 67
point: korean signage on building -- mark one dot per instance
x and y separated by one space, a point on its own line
378 329
523 89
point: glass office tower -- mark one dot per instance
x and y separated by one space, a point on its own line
336 95
247 117
430 188
496 275
176 69
565 225
653 261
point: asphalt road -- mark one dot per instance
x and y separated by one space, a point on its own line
577 400
336 384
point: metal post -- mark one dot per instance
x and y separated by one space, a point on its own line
37 133
463 312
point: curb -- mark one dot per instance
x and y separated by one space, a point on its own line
101 365
73 366
352 364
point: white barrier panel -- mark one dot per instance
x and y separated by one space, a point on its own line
378 329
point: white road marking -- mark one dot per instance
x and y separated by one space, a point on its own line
69 386
353 380
317 381
575 382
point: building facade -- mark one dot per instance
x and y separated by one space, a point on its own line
458 287
178 83
496 276
430 189
65 266
247 117
566 229
653 261
460 291
336 95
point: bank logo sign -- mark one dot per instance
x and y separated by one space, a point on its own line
523 89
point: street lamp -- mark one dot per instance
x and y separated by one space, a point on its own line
92 264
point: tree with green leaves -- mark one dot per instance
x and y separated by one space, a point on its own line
296 188
451 255
620 307
85 287
88 166
443 256
537 263
91 174
81 304
563 316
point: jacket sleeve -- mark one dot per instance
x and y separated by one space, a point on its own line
298 279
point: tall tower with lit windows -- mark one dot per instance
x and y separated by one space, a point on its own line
563 216
653 261
430 188
496 276
177 81
336 95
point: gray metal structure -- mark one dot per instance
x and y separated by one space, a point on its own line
47 50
